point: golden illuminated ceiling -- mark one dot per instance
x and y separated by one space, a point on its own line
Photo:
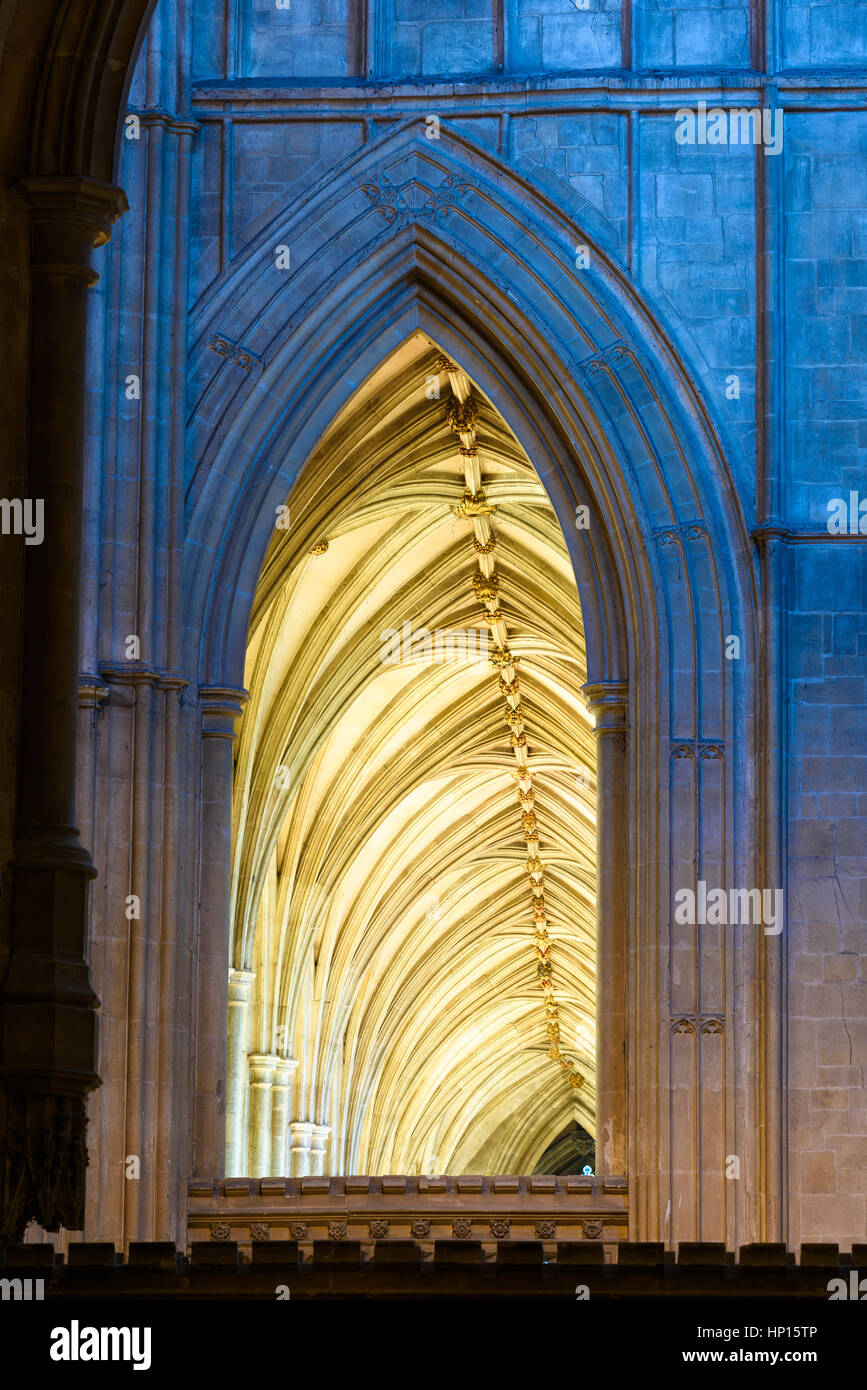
380 883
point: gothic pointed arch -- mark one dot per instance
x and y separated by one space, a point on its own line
441 238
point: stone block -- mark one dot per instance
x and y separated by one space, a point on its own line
207 1255
519 1252
569 41
712 36
404 1253
92 1255
825 1099
843 967
816 1256
152 1255
588 1253
764 1256
458 1254
818 1172
684 195
703 1255
462 47
641 1254
332 1253
832 1217
29 1257
850 1152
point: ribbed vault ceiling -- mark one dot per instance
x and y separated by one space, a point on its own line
380 884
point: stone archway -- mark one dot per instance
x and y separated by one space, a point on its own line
592 388
404 237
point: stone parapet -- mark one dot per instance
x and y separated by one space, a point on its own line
492 1210
441 1268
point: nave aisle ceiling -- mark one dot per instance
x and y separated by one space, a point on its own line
380 885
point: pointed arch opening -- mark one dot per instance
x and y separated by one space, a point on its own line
413 884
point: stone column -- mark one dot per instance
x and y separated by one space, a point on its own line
300 1141
607 702
221 708
319 1149
261 1077
48 1039
240 988
280 1089
769 1208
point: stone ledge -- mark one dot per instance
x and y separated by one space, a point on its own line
451 1268
628 1255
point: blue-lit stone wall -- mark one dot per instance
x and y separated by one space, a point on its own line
751 257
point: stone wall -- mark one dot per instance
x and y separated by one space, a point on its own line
755 267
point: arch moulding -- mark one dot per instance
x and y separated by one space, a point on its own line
410 235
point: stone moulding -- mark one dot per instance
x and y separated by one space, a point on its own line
494 1209
473 260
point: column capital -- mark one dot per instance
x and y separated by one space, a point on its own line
606 701
319 1148
74 197
284 1070
70 215
222 706
301 1130
92 691
262 1066
240 984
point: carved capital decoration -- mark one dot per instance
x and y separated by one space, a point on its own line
337 1230
501 1229
378 1230
299 1230
260 1230
546 1230
220 1230
462 1229
419 1229
592 1229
